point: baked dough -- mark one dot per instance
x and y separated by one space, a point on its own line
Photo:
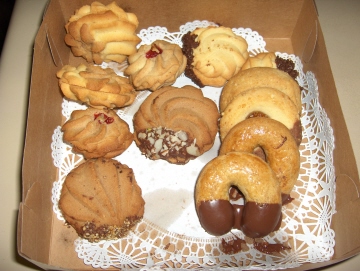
280 148
254 178
156 65
102 33
101 200
261 77
97 133
218 56
269 101
176 124
96 87
260 60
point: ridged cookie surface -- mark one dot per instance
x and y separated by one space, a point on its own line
102 33
97 133
187 123
101 200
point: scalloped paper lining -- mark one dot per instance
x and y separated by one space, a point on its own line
170 235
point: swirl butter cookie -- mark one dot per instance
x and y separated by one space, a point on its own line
95 87
176 124
102 33
155 65
97 133
214 55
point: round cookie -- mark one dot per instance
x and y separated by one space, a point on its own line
260 60
214 55
261 101
95 87
155 65
260 77
280 148
97 133
176 124
101 200
255 179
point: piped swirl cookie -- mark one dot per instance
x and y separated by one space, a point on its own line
176 124
101 200
156 65
102 33
96 87
214 55
97 133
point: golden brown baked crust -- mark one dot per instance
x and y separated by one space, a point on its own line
156 65
176 109
219 56
234 168
102 33
260 60
260 77
96 87
97 133
281 150
269 101
101 200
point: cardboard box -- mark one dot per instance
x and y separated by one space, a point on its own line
289 26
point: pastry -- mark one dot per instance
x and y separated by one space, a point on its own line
263 102
101 200
214 55
96 87
260 60
97 133
275 140
176 124
156 65
260 77
102 33
261 213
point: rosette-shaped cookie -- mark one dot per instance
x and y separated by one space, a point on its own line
155 65
96 87
214 55
101 200
102 33
176 124
260 60
97 133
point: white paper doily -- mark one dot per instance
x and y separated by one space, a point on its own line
170 235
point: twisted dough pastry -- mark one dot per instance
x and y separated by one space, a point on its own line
254 178
261 77
102 33
96 87
97 133
176 110
281 150
156 65
219 55
101 200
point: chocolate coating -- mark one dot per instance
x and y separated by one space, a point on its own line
256 220
259 219
216 216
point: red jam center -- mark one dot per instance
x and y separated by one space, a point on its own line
154 51
103 118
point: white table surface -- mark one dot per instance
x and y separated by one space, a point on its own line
340 21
